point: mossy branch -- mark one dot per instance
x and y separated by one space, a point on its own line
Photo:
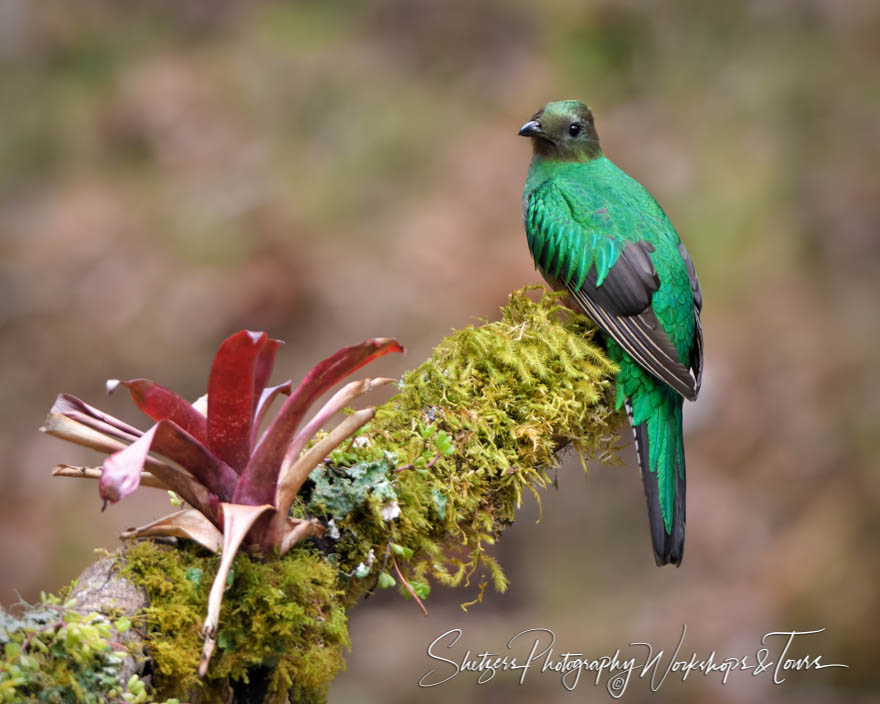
418 494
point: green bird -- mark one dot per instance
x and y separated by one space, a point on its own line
596 233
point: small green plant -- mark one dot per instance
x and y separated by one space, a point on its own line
53 653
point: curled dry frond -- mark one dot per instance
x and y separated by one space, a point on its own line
189 524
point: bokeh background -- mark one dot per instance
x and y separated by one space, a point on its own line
173 171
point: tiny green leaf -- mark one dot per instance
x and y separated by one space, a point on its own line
194 575
104 629
225 640
401 550
386 581
420 588
444 443
440 501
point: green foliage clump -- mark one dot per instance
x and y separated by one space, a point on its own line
53 653
283 615
472 428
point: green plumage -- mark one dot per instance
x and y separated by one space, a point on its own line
596 232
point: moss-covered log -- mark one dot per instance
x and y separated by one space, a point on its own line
415 497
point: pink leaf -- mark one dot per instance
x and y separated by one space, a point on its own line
121 472
160 403
232 397
122 469
258 480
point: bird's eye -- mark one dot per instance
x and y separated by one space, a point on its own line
574 129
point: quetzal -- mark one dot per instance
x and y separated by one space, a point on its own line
597 233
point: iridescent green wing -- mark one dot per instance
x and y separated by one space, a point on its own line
611 277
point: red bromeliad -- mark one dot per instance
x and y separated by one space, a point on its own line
240 485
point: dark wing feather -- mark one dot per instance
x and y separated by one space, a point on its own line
630 284
621 306
642 338
697 348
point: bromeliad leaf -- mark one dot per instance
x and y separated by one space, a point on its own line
73 408
237 521
267 396
196 494
121 473
298 529
263 369
189 523
160 403
66 470
233 395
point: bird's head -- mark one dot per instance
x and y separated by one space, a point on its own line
563 130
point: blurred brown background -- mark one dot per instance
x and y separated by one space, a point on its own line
173 171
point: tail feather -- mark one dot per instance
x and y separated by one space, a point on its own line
659 448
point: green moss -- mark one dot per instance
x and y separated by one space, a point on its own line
282 614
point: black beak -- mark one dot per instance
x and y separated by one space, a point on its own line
531 129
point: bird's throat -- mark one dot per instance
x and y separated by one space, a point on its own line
548 150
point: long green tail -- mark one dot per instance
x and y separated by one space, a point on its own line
655 413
